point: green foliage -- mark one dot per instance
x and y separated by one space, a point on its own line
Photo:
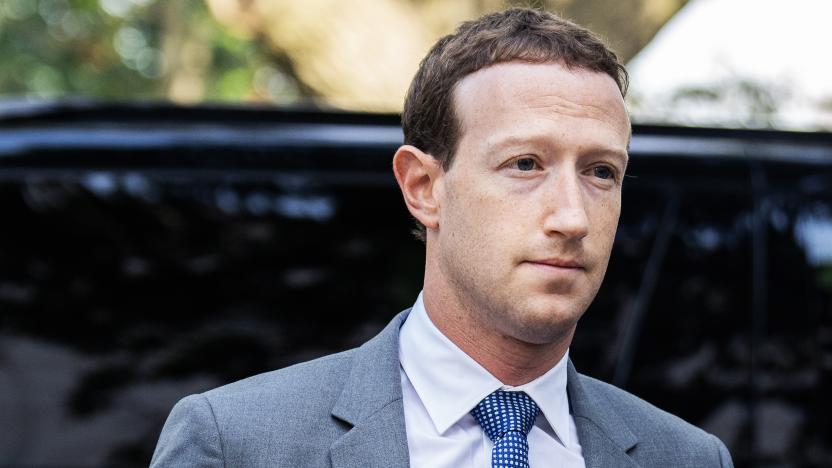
123 50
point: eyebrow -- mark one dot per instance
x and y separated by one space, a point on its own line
624 156
512 140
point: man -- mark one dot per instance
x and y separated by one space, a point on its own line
516 146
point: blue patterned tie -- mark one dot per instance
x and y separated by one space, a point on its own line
507 418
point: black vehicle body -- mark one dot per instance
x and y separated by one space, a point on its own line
152 251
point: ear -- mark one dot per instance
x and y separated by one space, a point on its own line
417 174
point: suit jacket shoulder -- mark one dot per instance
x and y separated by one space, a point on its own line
647 434
247 423
319 413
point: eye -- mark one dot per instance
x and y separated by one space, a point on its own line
525 164
603 172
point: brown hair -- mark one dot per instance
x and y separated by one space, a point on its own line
516 34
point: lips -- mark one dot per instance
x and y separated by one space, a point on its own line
559 263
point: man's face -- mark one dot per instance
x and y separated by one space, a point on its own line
529 208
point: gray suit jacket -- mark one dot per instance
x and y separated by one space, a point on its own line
345 410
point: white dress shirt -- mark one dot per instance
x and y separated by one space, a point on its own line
441 385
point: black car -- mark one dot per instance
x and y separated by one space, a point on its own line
153 251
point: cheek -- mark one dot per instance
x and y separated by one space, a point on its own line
605 219
478 221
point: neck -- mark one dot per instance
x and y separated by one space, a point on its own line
512 361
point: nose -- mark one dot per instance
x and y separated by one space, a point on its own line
565 214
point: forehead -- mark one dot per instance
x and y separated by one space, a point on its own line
514 98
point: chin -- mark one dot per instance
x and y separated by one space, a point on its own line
546 320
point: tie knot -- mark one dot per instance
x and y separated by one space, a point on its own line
504 411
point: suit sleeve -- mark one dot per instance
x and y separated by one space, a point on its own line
190 437
724 456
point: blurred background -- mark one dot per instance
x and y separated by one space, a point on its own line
736 63
192 190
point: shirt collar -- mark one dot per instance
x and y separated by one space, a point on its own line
428 357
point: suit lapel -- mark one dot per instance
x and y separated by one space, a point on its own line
371 404
605 438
